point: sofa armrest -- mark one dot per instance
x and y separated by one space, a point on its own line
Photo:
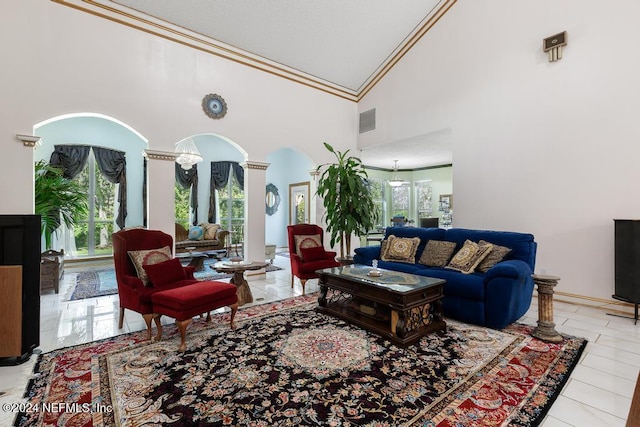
508 292
366 254
221 236
513 269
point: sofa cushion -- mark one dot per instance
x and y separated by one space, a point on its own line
313 254
196 232
165 272
497 254
306 241
467 286
210 230
150 256
523 245
469 256
437 253
401 249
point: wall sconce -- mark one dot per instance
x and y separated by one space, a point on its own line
553 45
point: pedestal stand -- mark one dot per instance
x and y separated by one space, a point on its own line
546 328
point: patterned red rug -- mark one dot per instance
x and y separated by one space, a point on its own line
285 364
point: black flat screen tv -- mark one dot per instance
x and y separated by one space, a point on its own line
20 245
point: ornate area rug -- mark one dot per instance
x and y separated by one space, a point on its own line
96 283
286 365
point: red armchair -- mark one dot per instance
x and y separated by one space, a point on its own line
317 258
134 295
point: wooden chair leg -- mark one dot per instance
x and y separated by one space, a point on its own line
303 282
157 320
182 327
147 319
234 310
292 279
121 318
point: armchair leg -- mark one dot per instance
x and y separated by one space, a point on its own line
182 327
292 279
303 282
147 319
121 318
156 319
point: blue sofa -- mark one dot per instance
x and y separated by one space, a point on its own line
493 299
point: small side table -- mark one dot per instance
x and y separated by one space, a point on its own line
237 269
546 327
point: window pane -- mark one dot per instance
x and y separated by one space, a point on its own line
182 205
400 201
423 200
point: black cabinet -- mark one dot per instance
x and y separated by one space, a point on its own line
627 261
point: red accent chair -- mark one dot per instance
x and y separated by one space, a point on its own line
300 268
132 292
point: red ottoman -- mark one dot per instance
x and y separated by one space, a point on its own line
184 302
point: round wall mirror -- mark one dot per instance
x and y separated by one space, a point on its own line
272 199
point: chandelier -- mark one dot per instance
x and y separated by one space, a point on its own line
395 181
188 154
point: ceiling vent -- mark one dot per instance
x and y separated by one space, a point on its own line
367 121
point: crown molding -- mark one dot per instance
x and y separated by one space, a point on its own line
160 155
250 164
129 17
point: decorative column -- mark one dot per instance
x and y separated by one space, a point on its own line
161 181
546 327
255 182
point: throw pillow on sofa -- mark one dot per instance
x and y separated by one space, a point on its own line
497 254
210 230
401 249
469 256
437 253
152 256
196 232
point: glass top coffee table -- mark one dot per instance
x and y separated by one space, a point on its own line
401 307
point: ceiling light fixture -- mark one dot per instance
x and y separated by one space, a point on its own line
395 181
188 154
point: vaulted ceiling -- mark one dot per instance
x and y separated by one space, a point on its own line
340 46
343 47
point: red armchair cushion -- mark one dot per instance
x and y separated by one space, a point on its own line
165 272
313 254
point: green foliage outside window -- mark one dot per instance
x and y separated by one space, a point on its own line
182 208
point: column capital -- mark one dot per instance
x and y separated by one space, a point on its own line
252 164
160 155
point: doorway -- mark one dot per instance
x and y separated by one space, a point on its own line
299 203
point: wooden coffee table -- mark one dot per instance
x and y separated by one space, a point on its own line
398 306
237 269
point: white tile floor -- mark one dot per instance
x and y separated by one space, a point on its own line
598 393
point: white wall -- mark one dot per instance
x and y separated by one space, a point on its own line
57 60
546 148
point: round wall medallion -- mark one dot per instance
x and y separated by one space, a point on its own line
214 106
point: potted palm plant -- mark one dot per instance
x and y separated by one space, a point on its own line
347 199
58 200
